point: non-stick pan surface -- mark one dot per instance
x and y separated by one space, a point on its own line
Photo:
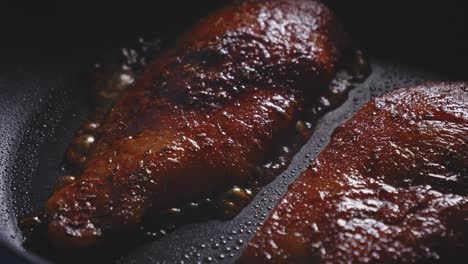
44 54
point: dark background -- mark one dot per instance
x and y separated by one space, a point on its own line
430 34
433 30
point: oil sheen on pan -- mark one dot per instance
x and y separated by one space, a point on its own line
201 117
391 186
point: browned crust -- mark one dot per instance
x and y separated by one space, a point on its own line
201 116
391 186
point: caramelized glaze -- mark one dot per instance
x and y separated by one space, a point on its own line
391 186
201 117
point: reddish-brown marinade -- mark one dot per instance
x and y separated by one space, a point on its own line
391 186
201 116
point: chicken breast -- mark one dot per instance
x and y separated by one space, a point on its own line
391 186
200 118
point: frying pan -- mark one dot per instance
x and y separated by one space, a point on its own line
45 51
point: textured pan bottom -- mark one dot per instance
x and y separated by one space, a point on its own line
35 163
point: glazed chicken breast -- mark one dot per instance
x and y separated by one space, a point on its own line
201 116
390 187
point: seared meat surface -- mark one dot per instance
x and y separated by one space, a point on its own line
200 118
391 186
